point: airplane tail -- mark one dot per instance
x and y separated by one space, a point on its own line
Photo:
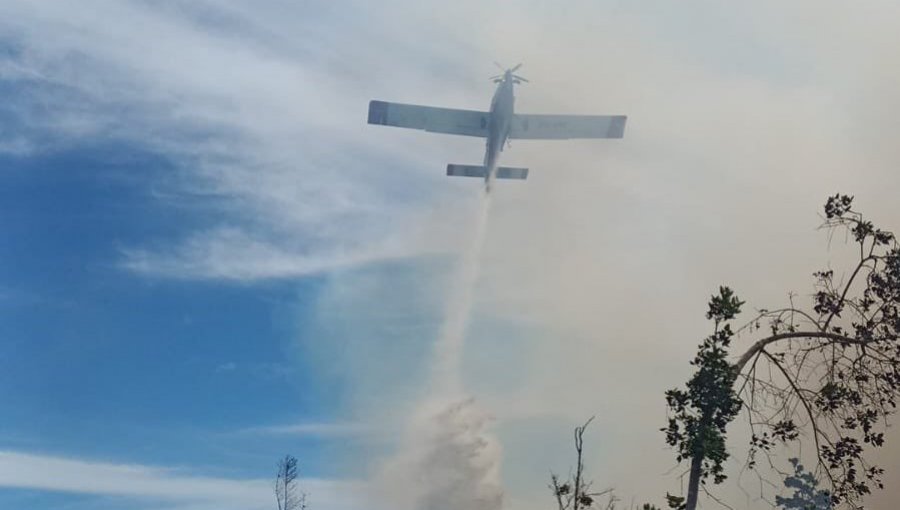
503 172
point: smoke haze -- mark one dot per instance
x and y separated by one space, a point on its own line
587 296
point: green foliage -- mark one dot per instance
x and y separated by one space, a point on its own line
675 502
829 373
699 414
862 387
724 307
807 495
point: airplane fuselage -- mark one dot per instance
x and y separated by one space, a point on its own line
496 126
502 106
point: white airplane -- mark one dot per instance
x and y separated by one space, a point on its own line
498 126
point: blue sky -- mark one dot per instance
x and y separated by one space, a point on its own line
101 363
209 260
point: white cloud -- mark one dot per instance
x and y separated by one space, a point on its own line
233 254
164 488
226 367
250 110
16 146
312 429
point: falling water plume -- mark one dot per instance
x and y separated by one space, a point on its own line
448 460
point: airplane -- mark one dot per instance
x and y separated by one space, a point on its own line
498 126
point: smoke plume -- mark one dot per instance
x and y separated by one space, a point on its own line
448 459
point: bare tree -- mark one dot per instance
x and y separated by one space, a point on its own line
575 493
287 494
829 373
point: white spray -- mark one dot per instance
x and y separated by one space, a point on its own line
451 341
448 460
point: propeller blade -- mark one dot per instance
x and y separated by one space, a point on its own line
514 69
498 65
520 78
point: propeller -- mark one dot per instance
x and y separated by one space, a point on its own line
516 78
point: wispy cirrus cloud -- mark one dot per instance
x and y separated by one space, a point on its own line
150 486
741 121
264 122
16 146
229 366
230 253
313 429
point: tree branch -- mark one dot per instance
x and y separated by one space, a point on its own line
824 335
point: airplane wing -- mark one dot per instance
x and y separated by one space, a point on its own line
428 118
561 127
